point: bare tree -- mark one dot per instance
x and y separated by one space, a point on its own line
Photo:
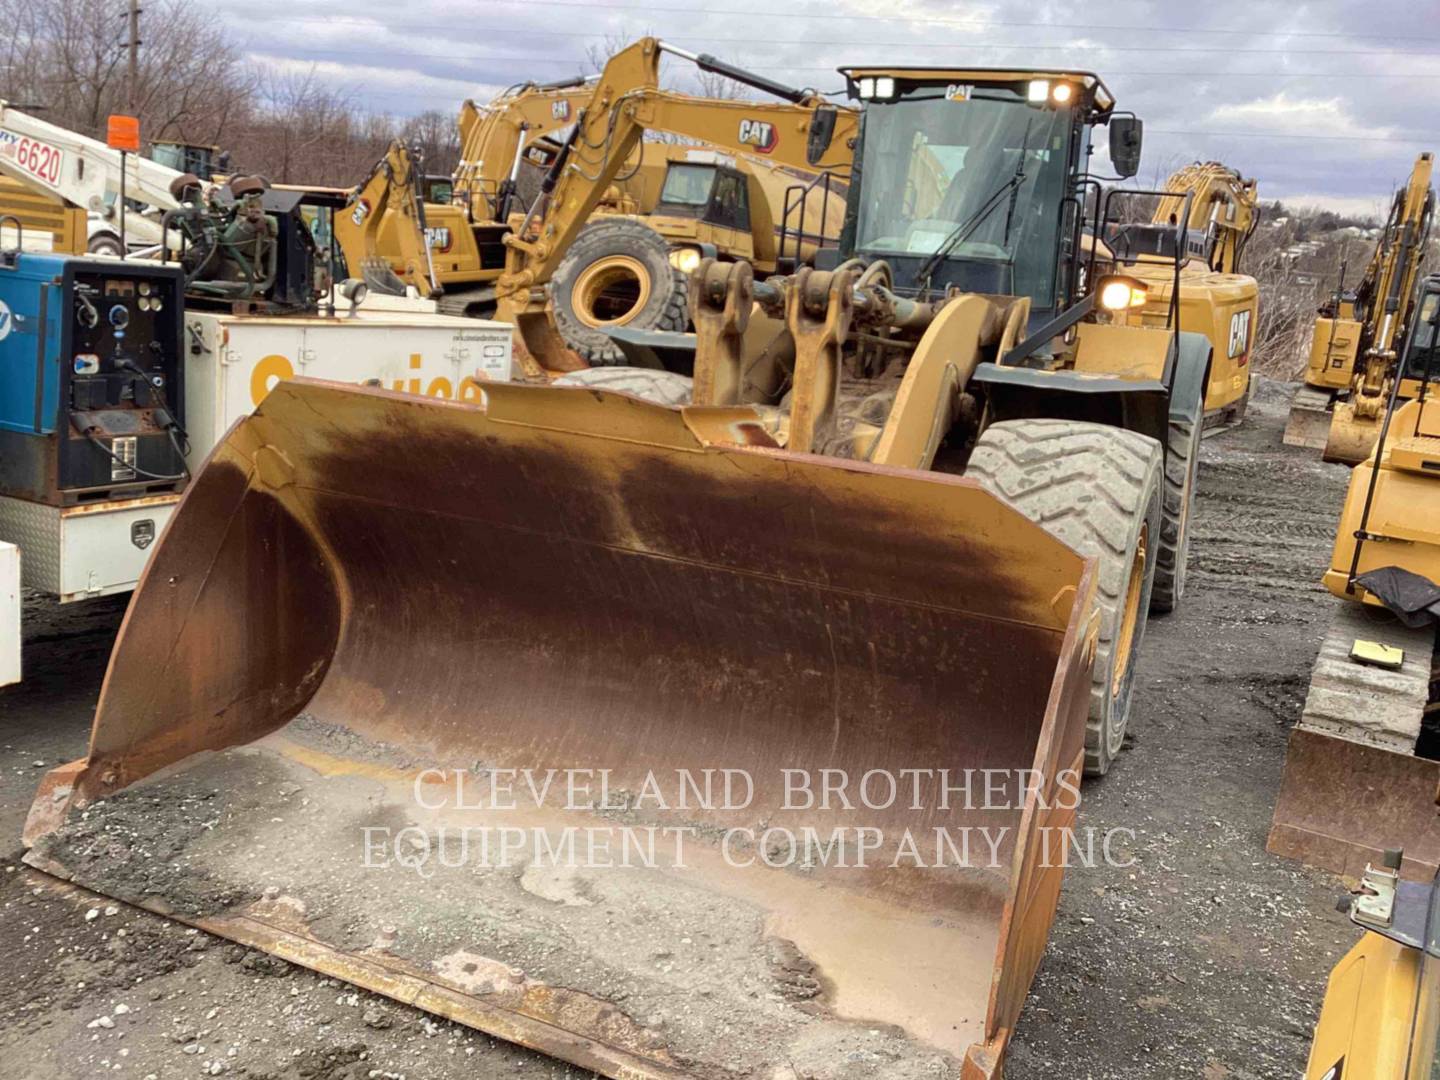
438 139
67 58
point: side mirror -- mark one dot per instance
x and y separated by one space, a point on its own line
822 130
1125 139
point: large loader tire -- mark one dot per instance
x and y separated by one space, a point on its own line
661 387
616 273
1182 470
1098 488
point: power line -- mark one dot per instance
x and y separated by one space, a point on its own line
1424 140
1417 140
852 43
405 54
969 24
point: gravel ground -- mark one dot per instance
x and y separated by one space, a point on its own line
1207 957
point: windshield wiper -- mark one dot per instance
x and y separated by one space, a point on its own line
966 228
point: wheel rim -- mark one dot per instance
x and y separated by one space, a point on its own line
611 290
1130 618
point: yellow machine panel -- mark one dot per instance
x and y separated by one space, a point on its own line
1223 307
1333 347
1364 1028
56 226
1404 507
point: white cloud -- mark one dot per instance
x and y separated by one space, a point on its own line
1349 205
1282 114
374 82
1334 99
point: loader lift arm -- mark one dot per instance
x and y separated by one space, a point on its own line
804 131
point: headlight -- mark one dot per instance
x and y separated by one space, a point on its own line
1062 93
686 260
1119 293
1038 91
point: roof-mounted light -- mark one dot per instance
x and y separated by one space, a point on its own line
1039 91
876 87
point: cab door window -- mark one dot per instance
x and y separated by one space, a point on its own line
730 202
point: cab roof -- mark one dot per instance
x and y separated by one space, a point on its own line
1104 99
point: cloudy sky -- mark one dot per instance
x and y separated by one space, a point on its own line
1326 102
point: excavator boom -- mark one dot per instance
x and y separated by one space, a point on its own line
1224 208
494 137
390 232
1360 332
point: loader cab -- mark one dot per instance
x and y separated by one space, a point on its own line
438 190
712 192
974 179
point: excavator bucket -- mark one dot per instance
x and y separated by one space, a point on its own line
565 718
1350 439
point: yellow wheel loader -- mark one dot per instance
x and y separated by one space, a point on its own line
1381 1015
1216 299
1363 763
1360 333
736 736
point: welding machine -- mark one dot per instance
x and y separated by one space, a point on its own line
92 436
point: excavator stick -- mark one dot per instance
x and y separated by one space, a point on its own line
555 718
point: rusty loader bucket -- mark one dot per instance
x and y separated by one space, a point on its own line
662 756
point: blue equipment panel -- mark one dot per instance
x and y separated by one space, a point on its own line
91 374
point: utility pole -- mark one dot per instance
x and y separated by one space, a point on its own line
132 81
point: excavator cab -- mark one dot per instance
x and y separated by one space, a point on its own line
197 158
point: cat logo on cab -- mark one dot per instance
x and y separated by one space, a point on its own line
759 134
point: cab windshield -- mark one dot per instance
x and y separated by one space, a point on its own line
688 185
976 171
1422 355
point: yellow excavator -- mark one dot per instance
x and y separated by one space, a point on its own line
572 716
394 238
746 191
1216 299
1363 763
1360 332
